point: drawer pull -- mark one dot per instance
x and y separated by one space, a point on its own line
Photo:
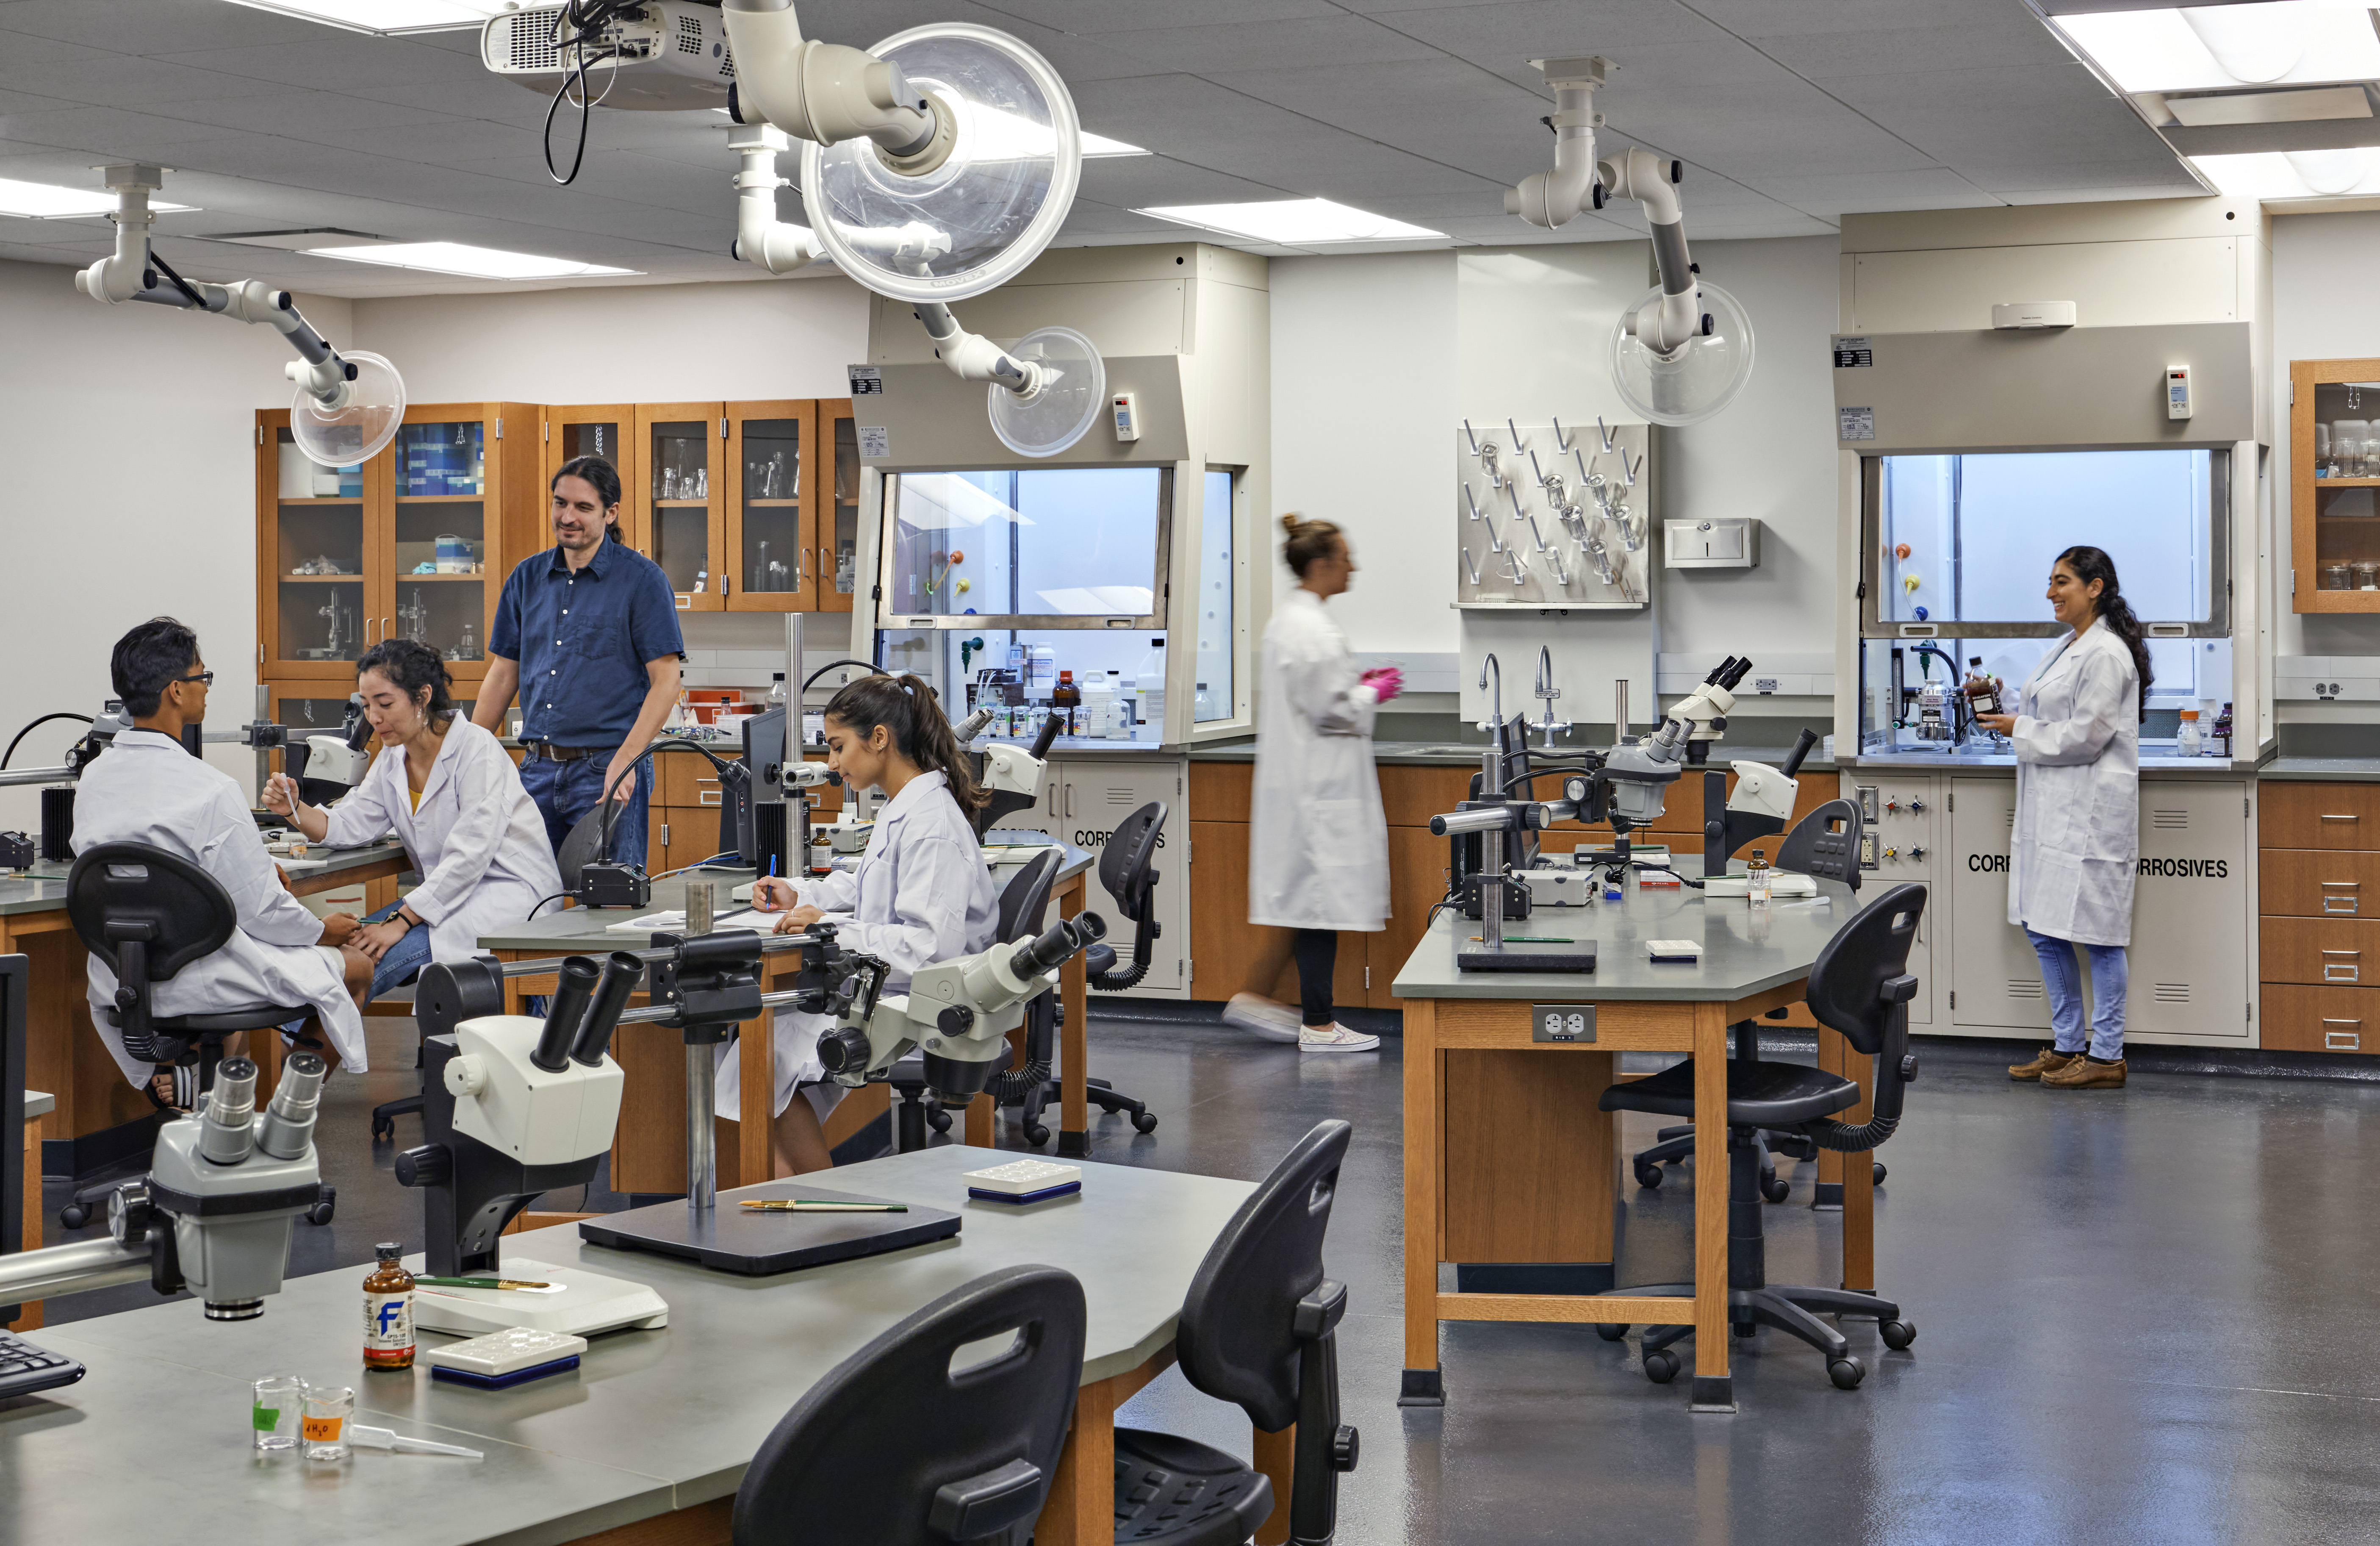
2342 1042
2338 971
2341 818
2339 904
2342 953
2341 885
706 798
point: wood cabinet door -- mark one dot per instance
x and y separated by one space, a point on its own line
2333 952
771 472
838 505
680 500
322 568
2300 1018
2311 882
2332 816
441 544
605 429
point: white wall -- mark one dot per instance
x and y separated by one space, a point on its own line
2322 309
129 436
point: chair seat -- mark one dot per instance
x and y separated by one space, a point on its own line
1176 1493
259 1018
1099 959
1758 1094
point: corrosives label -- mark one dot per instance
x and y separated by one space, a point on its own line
1856 423
1852 354
388 1323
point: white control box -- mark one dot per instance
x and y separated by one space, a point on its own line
1127 416
2177 392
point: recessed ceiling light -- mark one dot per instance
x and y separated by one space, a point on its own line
2208 47
1292 222
386 17
2278 175
48 201
477 262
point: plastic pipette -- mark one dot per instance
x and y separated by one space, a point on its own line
388 1438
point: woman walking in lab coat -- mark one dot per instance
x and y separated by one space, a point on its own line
450 794
921 893
1317 843
2075 848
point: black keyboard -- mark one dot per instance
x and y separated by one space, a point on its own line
25 1368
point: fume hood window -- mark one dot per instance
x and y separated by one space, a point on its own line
1065 547
1213 683
1966 541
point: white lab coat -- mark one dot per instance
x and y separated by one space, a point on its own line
1318 842
146 788
2075 849
922 894
477 842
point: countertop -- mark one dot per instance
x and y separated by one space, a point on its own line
1741 954
2339 769
2003 764
1443 754
43 887
652 1421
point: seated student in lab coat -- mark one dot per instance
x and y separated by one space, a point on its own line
148 788
448 791
921 893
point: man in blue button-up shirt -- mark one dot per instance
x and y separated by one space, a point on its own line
587 634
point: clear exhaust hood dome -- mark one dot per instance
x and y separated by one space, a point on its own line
342 437
1073 395
1698 379
974 221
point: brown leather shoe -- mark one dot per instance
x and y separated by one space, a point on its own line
2081 1072
2043 1062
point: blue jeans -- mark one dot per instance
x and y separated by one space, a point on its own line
565 792
2062 975
403 960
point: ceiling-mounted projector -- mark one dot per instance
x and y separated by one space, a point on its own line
661 55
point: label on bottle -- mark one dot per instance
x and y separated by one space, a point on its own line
388 1327
323 1430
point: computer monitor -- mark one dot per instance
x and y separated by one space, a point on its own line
13 975
740 823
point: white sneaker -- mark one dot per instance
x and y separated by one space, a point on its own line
1335 1037
1261 1016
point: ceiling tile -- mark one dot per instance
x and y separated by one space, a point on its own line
155 26
120 81
1296 45
1826 56
1097 17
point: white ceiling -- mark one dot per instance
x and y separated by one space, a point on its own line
1786 113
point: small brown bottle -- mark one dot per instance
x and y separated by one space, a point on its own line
1067 697
388 1312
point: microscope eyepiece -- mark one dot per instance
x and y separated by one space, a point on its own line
288 1125
564 1013
622 972
1058 943
229 1130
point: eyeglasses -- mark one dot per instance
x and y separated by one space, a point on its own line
204 679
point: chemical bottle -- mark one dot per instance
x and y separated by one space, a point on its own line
1041 671
1755 881
1983 690
1202 704
2223 732
1121 724
776 690
1149 689
1065 699
2187 741
1098 706
388 1312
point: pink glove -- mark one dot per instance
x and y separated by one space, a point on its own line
1386 681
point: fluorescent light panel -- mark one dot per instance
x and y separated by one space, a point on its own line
385 18
1292 222
48 201
476 262
2277 174
2210 47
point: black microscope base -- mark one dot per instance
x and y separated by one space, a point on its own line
755 1243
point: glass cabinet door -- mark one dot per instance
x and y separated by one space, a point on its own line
838 546
766 531
440 589
319 599
683 501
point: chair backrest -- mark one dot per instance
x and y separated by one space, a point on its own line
120 894
1124 863
1024 901
1824 844
1847 980
1236 1339
896 1448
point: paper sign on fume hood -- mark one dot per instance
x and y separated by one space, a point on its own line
867 381
875 442
1856 423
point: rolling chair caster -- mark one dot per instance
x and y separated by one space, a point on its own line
1036 1134
1661 1366
1648 1177
1611 1330
938 1118
1897 1334
75 1214
1774 1190
1847 1372
325 1205
1879 1174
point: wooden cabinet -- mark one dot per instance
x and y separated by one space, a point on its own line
2300 1018
1222 942
2299 882
2334 484
413 543
773 494
2330 951
676 512
2334 816
2318 862
838 571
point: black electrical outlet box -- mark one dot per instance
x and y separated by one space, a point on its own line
605 884
16 851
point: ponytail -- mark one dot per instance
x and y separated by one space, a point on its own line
414 669
1308 541
2115 612
908 707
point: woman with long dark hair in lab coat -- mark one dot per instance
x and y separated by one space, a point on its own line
452 795
1318 842
2076 845
921 893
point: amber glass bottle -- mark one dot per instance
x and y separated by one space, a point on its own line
388 1312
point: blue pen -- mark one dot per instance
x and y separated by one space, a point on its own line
772 867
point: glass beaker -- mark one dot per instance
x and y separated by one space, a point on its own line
328 1407
2333 577
2367 576
277 1408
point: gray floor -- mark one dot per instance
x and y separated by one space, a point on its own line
2143 1316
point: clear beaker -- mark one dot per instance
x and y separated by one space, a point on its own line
328 1407
276 1407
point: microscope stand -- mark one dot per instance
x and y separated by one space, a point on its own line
581 1304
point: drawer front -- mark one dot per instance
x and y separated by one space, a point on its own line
2331 816
686 779
2314 882
2306 1019
1221 791
1410 796
2330 951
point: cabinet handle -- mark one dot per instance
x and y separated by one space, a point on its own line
2340 904
2342 1040
2341 885
2328 1021
2341 818
703 798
